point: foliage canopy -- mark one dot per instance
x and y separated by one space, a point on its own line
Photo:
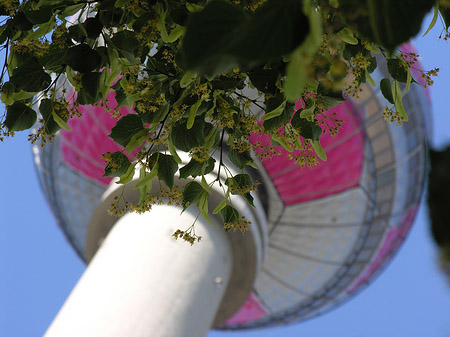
202 77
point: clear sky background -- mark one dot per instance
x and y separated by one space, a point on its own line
38 268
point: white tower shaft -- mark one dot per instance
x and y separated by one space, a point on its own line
143 283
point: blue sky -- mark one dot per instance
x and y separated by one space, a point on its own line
38 268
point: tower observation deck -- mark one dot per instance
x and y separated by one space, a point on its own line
320 234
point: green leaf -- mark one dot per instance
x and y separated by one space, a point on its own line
39 16
84 99
240 180
308 112
68 10
275 122
372 48
222 204
10 94
154 118
249 198
445 12
193 168
77 32
121 97
408 80
212 136
185 139
328 98
208 34
334 3
346 35
132 99
391 23
21 23
167 167
187 79
176 33
275 112
208 166
299 61
137 140
397 70
19 117
173 152
161 25
369 78
240 159
126 42
91 84
433 21
120 3
372 65
398 101
146 178
281 141
114 66
319 150
191 7
264 80
71 76
127 176
54 59
158 64
61 123
205 185
118 165
145 183
192 193
229 214
31 77
221 35
93 27
265 37
203 206
192 113
45 109
385 86
83 58
308 129
294 135
126 128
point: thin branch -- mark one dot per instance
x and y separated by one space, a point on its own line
6 60
221 156
254 101
158 135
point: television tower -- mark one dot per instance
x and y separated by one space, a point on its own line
318 236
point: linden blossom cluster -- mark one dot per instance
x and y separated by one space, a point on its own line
187 67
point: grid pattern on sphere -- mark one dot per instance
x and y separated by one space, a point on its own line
71 195
310 273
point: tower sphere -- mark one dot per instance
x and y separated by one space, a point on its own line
331 228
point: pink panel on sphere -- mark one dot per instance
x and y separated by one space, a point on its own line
340 172
83 147
250 311
393 240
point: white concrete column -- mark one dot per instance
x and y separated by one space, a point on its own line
144 283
